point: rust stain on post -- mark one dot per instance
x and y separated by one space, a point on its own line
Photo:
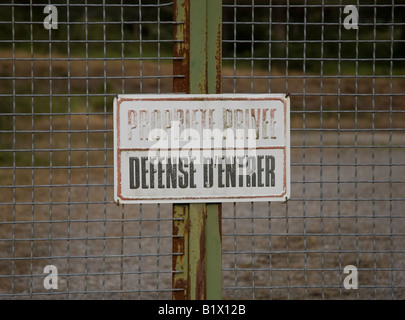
180 252
181 50
197 69
197 250
218 58
181 84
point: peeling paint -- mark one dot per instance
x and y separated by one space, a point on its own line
181 48
218 58
192 246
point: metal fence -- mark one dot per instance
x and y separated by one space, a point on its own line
56 163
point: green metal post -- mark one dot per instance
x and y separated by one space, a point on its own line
197 260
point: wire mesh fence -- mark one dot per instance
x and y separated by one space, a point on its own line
56 139
346 88
57 88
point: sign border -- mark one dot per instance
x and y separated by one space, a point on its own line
285 99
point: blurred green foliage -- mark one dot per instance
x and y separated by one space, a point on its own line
301 35
309 32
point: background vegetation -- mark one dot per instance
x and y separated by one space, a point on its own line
126 21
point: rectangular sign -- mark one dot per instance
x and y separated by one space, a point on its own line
201 148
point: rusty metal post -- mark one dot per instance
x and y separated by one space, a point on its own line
197 259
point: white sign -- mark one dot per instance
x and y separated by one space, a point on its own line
201 148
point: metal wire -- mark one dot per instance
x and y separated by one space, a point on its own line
344 209
56 165
56 90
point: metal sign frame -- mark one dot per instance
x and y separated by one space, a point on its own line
128 103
